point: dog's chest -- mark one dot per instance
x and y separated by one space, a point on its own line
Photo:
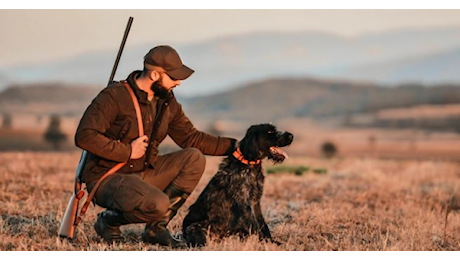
246 182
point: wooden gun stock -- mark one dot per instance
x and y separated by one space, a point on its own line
67 229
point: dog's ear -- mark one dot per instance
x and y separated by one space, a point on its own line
249 146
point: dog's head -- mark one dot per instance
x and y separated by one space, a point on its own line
263 141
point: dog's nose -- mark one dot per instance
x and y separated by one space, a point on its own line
288 137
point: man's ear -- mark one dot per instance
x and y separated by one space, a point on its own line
249 146
154 76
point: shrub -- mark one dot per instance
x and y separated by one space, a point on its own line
297 170
329 149
320 171
7 121
53 134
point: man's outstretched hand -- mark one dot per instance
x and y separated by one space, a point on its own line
138 147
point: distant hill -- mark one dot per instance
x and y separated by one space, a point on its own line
47 98
278 98
264 100
223 63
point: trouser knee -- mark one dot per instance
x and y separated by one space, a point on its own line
197 160
192 170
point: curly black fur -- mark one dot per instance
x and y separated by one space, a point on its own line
230 203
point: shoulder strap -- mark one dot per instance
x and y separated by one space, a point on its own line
118 166
138 109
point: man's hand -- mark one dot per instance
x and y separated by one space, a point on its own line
138 147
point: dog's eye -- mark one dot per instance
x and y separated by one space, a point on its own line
271 132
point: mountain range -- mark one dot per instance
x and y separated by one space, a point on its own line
265 100
426 56
320 99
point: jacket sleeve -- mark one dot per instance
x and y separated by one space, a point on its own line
182 131
98 117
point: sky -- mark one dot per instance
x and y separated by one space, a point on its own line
36 36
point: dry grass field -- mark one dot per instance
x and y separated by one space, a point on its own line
359 204
366 201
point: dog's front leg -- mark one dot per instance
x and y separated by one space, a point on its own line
264 231
249 220
244 221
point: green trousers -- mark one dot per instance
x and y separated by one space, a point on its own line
140 195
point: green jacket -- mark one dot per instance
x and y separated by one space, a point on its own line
109 125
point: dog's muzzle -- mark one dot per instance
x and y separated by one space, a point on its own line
284 139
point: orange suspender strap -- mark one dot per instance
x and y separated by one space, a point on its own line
118 166
138 110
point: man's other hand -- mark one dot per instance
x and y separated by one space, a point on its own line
138 147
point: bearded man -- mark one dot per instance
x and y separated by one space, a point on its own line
150 188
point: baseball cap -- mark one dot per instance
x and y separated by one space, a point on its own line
167 58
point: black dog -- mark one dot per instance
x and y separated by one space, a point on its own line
230 204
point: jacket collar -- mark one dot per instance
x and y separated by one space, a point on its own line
141 95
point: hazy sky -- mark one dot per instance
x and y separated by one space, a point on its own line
31 36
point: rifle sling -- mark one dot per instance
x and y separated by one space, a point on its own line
118 166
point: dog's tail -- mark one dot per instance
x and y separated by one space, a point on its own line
195 234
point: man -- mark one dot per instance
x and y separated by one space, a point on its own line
150 188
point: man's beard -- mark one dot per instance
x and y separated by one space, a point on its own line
159 90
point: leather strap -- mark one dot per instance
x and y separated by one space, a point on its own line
137 108
118 166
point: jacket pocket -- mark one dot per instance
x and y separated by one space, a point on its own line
119 128
106 164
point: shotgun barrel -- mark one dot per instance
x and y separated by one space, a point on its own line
120 50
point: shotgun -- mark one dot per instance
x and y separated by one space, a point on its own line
68 223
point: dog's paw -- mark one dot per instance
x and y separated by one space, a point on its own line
271 240
278 243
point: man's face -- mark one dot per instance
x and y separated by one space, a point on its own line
164 85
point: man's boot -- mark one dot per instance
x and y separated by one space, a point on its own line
108 225
156 232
